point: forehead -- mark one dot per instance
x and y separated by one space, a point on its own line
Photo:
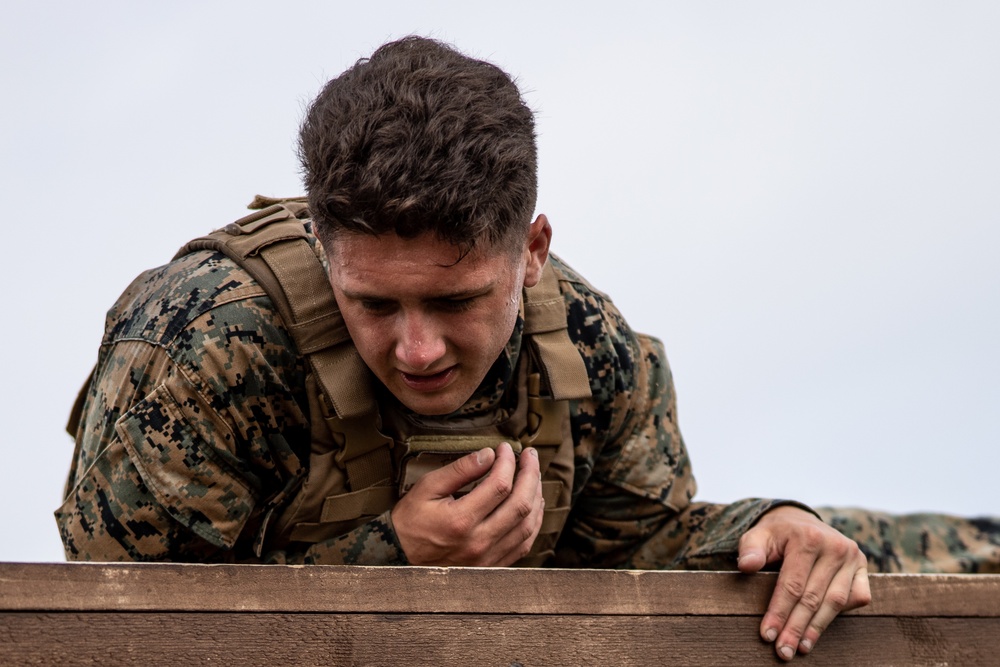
366 263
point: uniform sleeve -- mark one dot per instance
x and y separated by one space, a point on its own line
372 543
633 487
922 542
165 489
184 449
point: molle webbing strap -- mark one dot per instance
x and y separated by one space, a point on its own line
364 452
545 323
554 517
543 415
368 502
458 444
272 246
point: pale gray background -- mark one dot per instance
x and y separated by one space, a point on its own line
800 198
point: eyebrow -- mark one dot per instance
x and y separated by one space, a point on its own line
443 296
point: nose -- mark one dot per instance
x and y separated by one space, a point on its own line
420 343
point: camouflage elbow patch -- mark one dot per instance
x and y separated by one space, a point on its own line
183 472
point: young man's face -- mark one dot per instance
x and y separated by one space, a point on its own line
430 326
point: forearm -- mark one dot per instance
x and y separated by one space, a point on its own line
924 542
372 543
611 527
112 514
704 536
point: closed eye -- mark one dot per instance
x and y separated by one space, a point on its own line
377 306
455 305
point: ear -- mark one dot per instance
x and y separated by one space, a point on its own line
536 250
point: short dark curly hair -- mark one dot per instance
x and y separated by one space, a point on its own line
420 138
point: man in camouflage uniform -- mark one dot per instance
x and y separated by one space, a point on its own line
199 426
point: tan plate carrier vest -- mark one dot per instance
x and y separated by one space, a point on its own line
363 457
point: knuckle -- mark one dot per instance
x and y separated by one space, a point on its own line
793 588
464 464
523 508
837 600
502 488
476 550
460 525
843 549
811 600
464 467
812 539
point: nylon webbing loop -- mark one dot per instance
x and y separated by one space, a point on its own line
458 444
544 307
365 450
306 286
346 380
318 328
553 520
371 469
553 517
368 502
299 206
271 244
545 322
544 417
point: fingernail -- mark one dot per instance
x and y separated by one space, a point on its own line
786 652
481 455
534 452
806 645
770 634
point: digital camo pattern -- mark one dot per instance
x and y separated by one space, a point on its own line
194 428
920 542
195 432
633 483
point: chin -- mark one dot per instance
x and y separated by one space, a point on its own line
432 408
433 405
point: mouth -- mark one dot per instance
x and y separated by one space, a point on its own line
428 383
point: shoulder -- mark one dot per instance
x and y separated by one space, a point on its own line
590 313
162 303
196 345
571 279
608 345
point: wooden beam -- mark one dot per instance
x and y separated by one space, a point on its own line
171 613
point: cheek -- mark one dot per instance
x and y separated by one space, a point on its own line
370 339
502 324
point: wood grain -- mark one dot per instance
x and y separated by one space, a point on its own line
111 638
152 614
176 587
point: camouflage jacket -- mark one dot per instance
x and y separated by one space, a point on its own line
196 424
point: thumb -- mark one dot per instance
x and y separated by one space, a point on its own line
753 550
445 481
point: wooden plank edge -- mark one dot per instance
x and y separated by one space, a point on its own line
360 589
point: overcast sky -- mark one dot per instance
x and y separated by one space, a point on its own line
801 199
